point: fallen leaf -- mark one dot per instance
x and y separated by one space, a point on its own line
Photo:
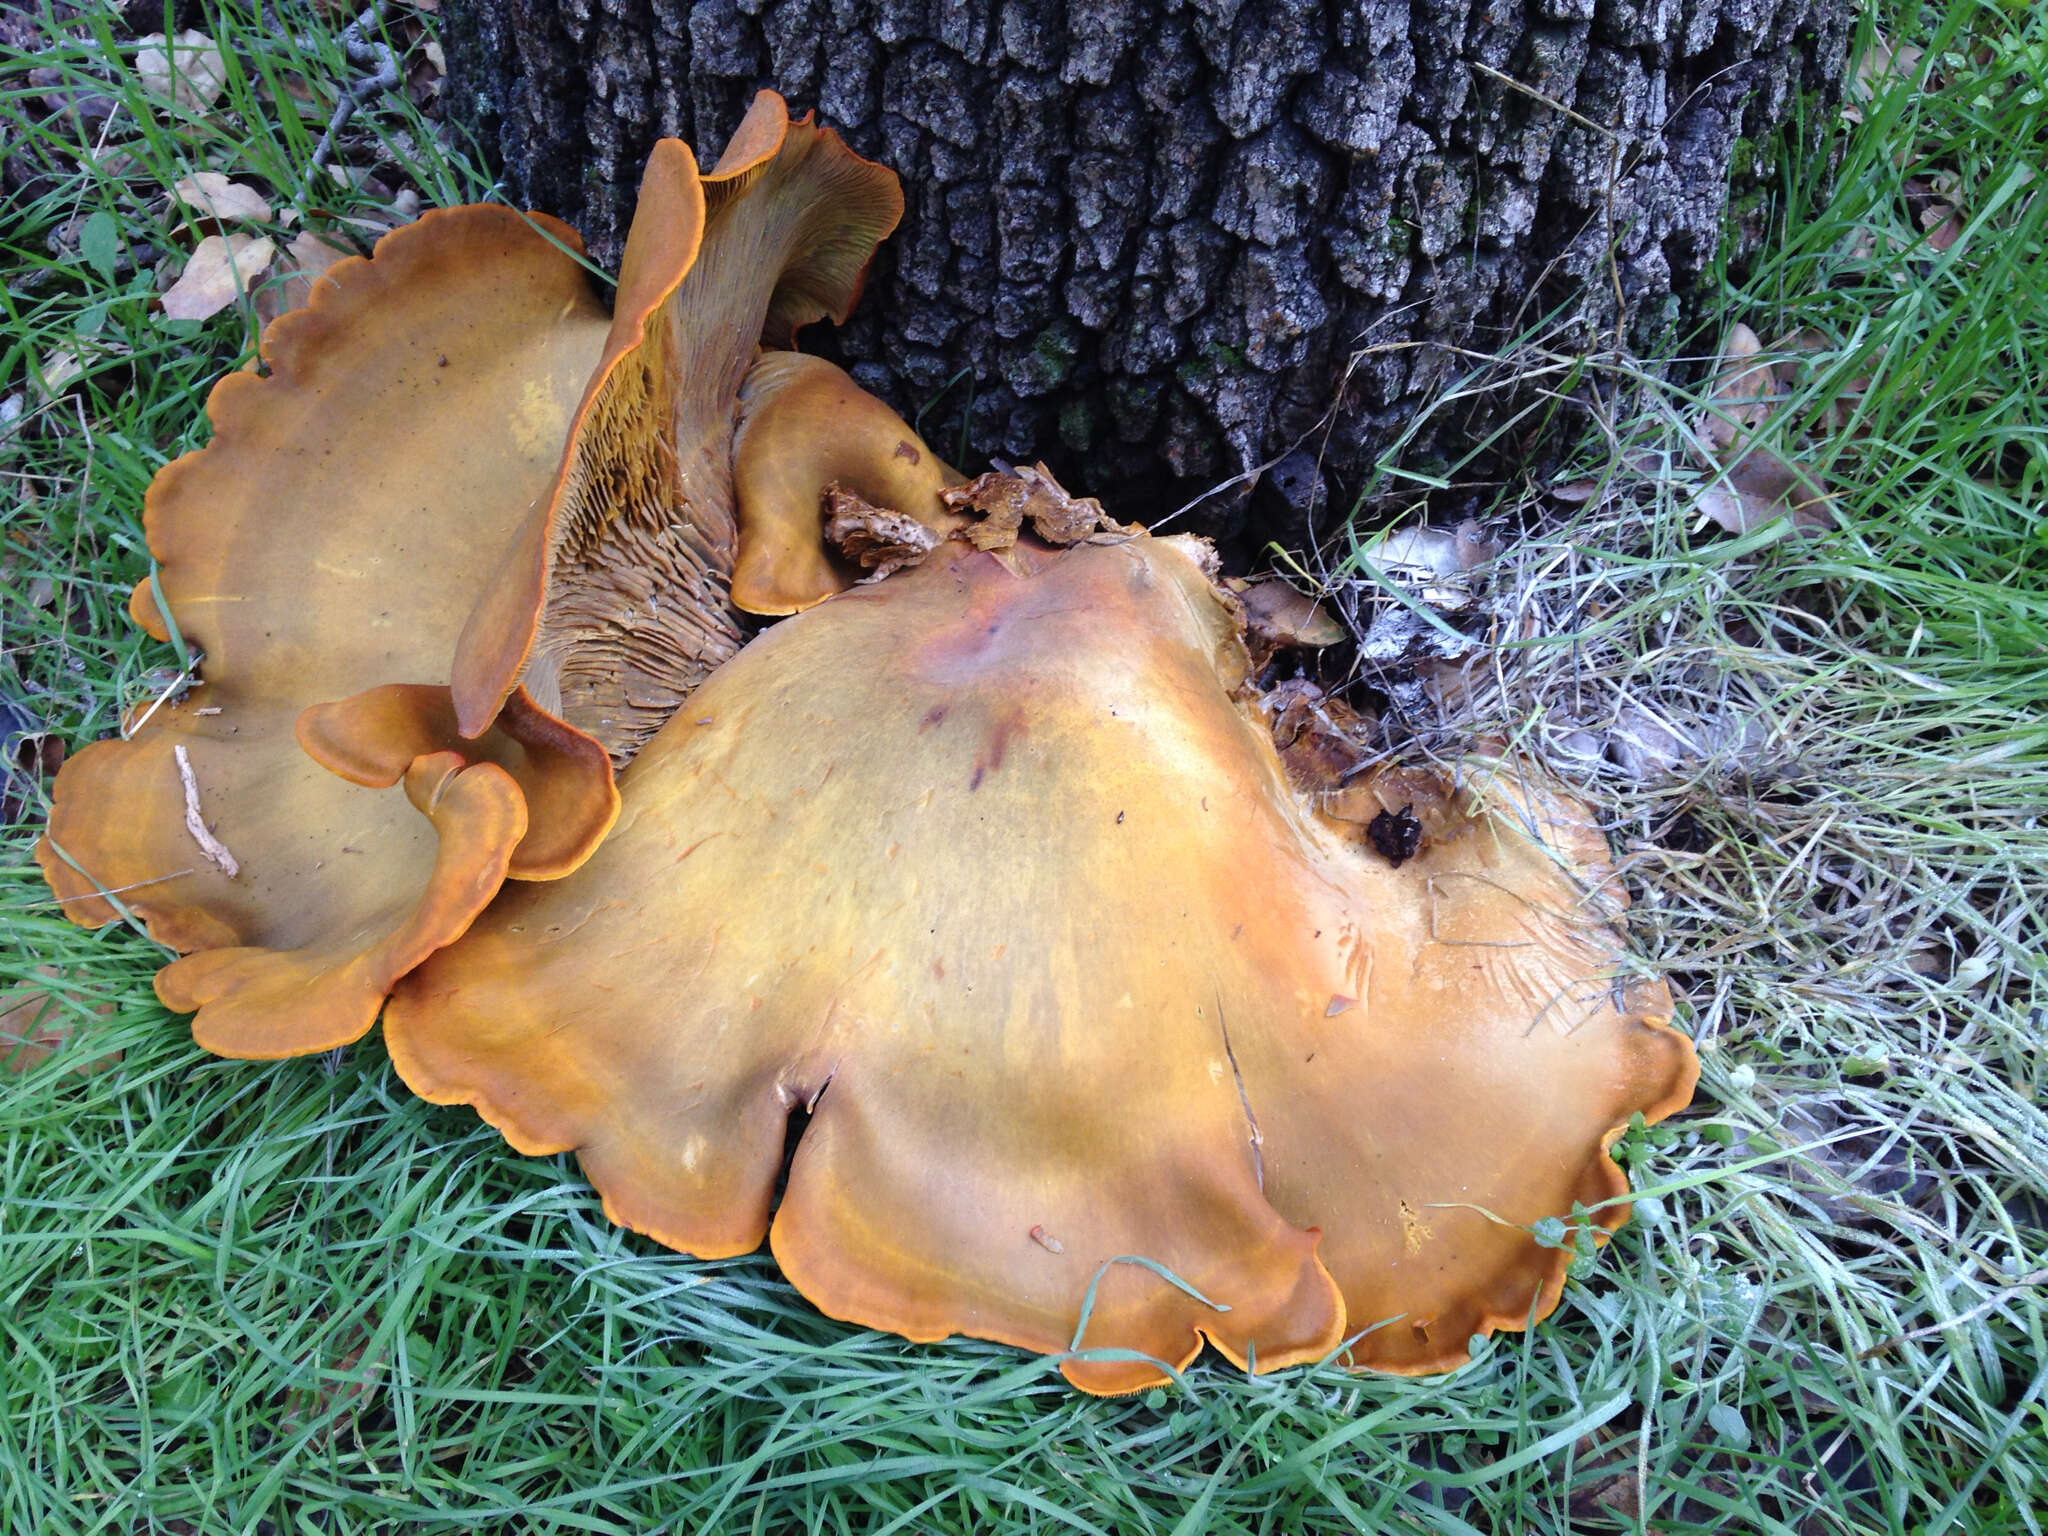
1943 224
342 1388
1753 483
1005 498
1742 393
212 193
298 266
1279 617
1431 563
1880 67
222 269
61 368
35 1023
63 94
881 542
191 72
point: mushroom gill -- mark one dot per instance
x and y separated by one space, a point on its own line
991 869
612 603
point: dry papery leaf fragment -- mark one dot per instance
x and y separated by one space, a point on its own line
188 70
1086 964
1752 484
220 270
38 1019
214 195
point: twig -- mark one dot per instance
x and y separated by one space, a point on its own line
360 50
209 845
1990 1303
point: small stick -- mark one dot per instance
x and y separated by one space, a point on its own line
209 845
360 50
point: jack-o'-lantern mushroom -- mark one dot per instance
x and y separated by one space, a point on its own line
321 544
1096 1005
991 870
336 550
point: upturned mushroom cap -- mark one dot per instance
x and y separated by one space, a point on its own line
325 542
264 1002
612 603
989 868
805 427
564 778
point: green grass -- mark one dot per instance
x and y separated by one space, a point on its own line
244 1297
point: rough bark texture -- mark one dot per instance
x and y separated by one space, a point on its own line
1148 240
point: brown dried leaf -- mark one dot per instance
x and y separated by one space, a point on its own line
191 71
61 369
1756 484
1279 618
1943 224
881 542
1760 486
1743 388
344 1389
1006 499
298 265
1881 67
34 1025
218 272
212 193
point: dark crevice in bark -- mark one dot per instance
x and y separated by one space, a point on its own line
1145 239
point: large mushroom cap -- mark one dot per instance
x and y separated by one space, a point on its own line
990 870
325 542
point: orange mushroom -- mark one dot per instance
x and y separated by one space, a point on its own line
612 603
1118 1027
990 868
331 554
323 542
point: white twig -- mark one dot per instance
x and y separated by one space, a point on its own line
209 845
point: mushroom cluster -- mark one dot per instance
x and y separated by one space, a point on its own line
1097 981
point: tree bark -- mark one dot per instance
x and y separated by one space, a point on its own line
1160 243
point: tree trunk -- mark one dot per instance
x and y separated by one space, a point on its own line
1150 241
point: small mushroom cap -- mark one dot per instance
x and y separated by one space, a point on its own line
805 427
564 778
612 604
988 868
264 1002
324 542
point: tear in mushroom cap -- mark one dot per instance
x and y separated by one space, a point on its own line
988 868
